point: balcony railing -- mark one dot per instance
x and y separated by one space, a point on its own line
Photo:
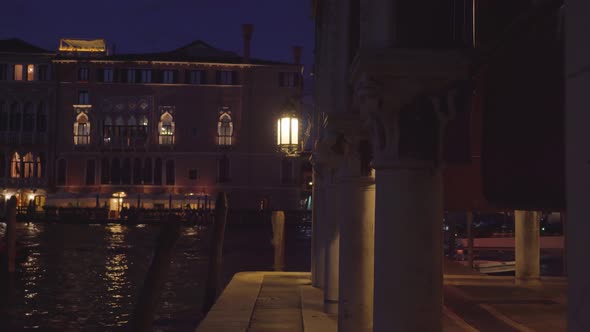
23 138
23 182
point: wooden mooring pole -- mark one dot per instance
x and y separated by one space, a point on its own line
278 239
213 283
147 302
11 234
470 239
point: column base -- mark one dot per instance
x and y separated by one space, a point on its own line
331 307
527 281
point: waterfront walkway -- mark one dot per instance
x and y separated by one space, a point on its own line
285 301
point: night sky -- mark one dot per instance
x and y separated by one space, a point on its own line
161 25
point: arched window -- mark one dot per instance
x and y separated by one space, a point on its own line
15 166
105 171
120 131
107 130
147 171
82 130
170 173
28 118
225 130
41 165
143 127
41 118
28 166
115 171
137 171
166 129
126 171
15 117
158 171
3 116
132 128
61 172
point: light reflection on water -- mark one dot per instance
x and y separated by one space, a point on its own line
86 277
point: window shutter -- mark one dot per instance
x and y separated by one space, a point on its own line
281 79
218 77
296 79
175 76
234 77
137 75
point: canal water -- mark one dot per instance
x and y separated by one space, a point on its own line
87 277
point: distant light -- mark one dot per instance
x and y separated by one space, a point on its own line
310 183
543 228
31 197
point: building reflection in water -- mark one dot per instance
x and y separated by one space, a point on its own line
116 277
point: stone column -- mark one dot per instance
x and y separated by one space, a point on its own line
408 249
331 234
577 117
377 23
527 240
408 275
355 312
318 249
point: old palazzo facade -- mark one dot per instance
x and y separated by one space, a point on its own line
156 130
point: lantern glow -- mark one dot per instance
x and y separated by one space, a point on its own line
288 133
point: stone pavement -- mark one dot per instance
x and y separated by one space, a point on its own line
285 301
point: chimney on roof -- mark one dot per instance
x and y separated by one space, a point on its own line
247 34
297 54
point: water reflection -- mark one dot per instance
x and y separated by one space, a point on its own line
87 277
115 276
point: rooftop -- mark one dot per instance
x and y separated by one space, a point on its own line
15 45
196 51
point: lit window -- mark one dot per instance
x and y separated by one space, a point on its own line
166 129
107 130
28 166
30 72
15 166
168 76
288 79
83 74
83 98
225 130
18 72
82 130
146 76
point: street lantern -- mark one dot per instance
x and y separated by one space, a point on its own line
288 132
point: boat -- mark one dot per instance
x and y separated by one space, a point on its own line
485 266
